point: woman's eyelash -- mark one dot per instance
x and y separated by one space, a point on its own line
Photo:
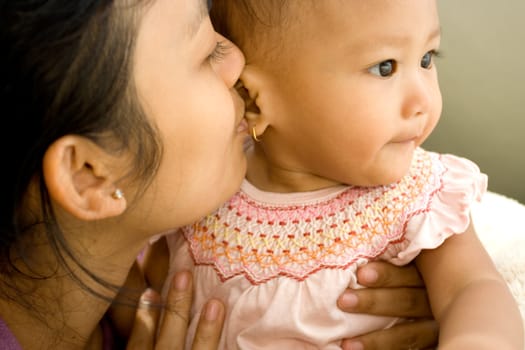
219 52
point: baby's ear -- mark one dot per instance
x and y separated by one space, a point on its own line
78 179
254 89
248 88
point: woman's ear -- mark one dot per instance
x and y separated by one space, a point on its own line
78 179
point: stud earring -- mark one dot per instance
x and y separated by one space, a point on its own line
254 135
117 194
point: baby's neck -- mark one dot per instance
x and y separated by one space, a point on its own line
270 177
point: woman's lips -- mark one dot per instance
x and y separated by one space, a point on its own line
243 126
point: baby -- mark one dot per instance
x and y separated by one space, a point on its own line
340 95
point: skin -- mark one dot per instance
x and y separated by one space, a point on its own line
146 323
410 301
392 290
325 114
175 69
153 82
377 121
182 186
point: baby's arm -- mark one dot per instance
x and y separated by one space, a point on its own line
470 300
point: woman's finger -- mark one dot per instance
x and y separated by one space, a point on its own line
398 302
145 326
174 324
421 334
386 275
209 328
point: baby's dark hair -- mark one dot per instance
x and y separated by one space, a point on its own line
250 23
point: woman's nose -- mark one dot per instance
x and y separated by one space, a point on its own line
230 66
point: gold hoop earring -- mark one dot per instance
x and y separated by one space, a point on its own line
254 135
117 194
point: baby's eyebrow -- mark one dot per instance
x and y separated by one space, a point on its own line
388 39
396 40
435 34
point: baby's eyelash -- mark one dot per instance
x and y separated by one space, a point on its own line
436 53
219 52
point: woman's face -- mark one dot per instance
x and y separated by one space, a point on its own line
184 73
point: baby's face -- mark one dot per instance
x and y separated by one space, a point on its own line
354 90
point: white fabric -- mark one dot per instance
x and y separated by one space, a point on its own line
297 313
500 224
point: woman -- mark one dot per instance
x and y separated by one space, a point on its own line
113 108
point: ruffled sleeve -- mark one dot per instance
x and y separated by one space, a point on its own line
449 210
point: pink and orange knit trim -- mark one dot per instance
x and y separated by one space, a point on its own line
263 241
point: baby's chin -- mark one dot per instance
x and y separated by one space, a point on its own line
385 174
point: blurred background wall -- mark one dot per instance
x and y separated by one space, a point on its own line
482 78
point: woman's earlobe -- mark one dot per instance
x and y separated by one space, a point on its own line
77 179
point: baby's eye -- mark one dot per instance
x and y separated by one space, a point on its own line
219 52
426 61
384 69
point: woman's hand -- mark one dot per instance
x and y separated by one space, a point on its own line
174 324
392 291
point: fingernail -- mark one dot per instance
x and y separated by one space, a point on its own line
147 299
212 310
369 275
353 345
348 300
148 295
182 281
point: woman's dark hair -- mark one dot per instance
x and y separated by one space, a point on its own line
65 69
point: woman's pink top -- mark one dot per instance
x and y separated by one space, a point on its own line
7 338
279 261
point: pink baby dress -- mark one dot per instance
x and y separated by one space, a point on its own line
279 261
